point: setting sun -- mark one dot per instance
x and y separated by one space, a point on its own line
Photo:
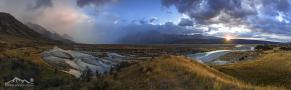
228 37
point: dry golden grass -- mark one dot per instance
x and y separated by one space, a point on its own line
26 53
175 73
271 69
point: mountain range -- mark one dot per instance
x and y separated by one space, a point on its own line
11 26
161 38
51 35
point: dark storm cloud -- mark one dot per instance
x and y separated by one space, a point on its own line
227 11
43 3
82 3
264 16
207 9
149 33
186 22
272 27
167 28
153 19
281 5
57 16
143 21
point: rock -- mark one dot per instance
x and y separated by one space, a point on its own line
77 61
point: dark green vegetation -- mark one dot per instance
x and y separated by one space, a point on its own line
266 47
43 77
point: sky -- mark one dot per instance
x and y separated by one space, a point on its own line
107 21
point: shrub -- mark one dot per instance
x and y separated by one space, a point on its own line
264 47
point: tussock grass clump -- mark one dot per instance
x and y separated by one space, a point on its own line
26 53
271 69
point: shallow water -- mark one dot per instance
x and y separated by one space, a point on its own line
206 57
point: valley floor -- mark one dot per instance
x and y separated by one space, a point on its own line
150 67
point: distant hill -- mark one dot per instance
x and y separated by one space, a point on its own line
161 38
46 33
9 26
222 41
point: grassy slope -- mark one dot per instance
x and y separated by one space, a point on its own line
20 57
271 69
174 73
162 73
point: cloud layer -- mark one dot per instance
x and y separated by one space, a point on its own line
268 17
88 21
94 26
60 16
97 3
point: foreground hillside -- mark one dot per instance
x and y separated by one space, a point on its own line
270 69
20 57
26 65
174 73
